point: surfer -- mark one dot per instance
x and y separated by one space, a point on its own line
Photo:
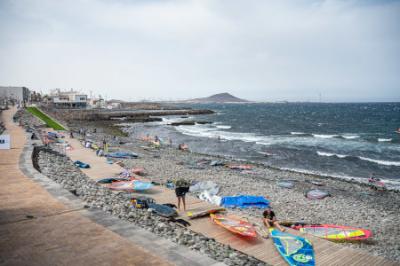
269 219
181 188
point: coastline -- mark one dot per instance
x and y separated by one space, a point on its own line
351 204
390 184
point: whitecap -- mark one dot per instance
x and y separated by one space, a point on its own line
384 140
327 154
223 127
297 133
350 136
382 162
323 136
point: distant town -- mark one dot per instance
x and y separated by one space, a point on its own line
58 98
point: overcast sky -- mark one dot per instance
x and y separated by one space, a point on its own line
258 50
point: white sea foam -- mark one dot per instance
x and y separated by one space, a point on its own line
213 132
198 131
350 136
246 137
382 162
327 154
324 136
223 127
384 140
297 133
172 119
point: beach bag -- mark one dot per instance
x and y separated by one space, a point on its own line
142 202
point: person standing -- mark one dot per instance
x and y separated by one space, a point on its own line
105 145
181 188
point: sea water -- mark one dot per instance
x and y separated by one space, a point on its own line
348 140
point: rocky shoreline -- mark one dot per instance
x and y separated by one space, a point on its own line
351 204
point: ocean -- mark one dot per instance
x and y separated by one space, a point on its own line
345 140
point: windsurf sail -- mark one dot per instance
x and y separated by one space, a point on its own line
234 225
334 232
134 185
295 250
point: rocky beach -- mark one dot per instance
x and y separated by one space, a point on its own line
350 204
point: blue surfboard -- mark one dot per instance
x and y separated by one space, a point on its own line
296 250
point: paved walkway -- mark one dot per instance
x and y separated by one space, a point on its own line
37 229
326 252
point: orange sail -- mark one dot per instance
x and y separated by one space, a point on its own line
234 225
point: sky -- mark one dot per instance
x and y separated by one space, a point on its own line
303 50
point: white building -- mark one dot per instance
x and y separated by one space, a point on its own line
68 99
97 103
19 94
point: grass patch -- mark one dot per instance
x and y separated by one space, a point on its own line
49 122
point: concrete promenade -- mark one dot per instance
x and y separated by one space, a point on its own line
37 229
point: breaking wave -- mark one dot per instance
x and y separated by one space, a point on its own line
325 136
384 140
327 154
342 156
382 162
223 127
298 133
350 136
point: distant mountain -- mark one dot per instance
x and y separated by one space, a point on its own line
219 98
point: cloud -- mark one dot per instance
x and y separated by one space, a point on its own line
262 50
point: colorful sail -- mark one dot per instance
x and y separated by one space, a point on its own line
330 231
334 232
294 249
234 225
134 185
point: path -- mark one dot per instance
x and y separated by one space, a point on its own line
36 229
326 252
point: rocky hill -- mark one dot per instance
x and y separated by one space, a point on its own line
219 98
